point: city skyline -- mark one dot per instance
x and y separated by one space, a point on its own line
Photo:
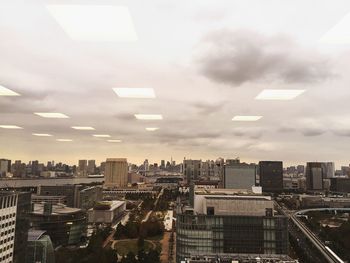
202 76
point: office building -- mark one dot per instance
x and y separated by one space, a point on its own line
5 167
340 185
106 212
91 167
271 176
192 169
329 170
22 226
116 173
224 221
65 225
8 210
19 169
40 248
78 196
82 168
239 175
315 173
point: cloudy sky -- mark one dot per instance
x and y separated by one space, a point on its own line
206 60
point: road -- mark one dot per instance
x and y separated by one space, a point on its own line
155 205
325 251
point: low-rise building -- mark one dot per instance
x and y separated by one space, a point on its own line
106 212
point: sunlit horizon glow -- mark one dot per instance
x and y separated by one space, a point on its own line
95 22
54 115
279 94
7 92
246 118
136 93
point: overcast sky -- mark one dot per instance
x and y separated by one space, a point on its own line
207 60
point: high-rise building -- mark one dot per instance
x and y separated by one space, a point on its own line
22 226
35 168
91 167
315 173
8 209
340 185
146 165
116 173
162 164
239 175
329 169
227 222
40 248
271 176
19 169
82 168
192 169
5 167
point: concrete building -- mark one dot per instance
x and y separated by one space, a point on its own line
91 167
239 175
40 248
78 196
82 168
106 212
315 173
192 169
65 225
223 222
271 176
8 211
116 173
340 185
329 169
5 167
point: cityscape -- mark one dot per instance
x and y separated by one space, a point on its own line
173 131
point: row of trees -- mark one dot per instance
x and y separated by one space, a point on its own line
152 256
135 229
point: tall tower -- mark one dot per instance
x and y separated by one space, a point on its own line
116 173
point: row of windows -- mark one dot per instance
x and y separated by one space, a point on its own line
7 232
6 240
7 256
6 248
8 216
8 201
8 224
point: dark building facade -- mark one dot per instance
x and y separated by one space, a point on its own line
340 185
22 226
271 176
315 173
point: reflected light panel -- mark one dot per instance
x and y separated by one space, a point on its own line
94 22
113 140
148 116
55 115
83 128
246 118
64 140
42 134
101 135
279 94
135 93
7 92
152 129
10 127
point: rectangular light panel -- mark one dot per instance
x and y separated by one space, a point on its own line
246 118
114 141
7 92
64 140
135 93
152 129
55 115
95 22
102 135
148 116
10 127
279 94
42 134
83 128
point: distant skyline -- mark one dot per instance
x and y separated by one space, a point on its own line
206 62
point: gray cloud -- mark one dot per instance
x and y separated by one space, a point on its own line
236 57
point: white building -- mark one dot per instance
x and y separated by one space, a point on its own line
106 212
8 208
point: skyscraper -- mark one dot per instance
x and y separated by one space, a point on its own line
82 168
91 167
5 167
315 173
271 176
116 173
239 175
192 169
8 209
